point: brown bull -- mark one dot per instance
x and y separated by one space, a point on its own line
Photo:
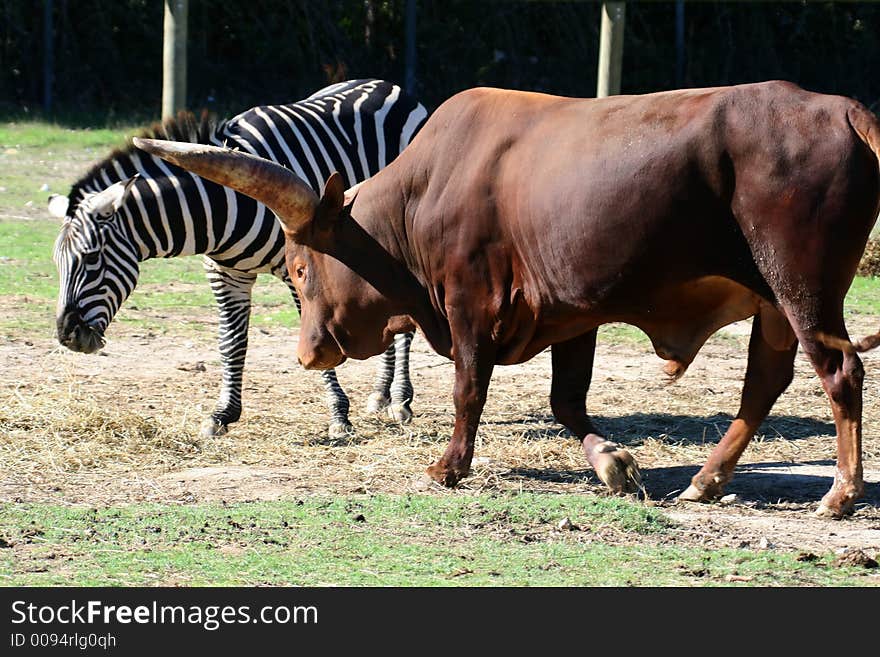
517 221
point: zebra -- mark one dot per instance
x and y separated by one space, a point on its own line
130 207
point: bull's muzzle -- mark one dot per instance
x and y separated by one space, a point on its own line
76 335
319 358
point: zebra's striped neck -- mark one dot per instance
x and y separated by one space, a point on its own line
170 212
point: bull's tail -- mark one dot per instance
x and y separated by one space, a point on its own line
867 127
865 344
865 124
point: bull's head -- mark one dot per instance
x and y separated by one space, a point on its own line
342 314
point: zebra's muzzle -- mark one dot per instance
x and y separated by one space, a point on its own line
76 335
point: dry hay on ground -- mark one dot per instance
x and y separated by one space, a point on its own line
870 262
123 428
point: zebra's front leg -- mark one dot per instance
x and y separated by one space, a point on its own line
232 290
338 403
393 391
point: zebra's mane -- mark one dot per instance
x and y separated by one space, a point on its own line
183 127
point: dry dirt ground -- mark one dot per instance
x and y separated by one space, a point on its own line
122 427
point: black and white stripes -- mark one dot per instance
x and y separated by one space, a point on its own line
131 207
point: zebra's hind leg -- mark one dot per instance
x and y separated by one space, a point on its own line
232 290
338 402
393 389
401 388
380 398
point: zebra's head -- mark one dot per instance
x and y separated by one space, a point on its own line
97 266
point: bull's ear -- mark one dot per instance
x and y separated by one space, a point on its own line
58 205
332 200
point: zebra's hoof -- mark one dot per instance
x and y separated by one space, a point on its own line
377 402
340 430
212 428
400 413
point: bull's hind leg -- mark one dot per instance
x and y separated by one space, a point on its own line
770 369
572 370
841 374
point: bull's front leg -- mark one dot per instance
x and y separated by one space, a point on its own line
473 370
572 370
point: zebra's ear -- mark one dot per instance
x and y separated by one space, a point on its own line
58 205
107 202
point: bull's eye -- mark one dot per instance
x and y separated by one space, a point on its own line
301 272
91 258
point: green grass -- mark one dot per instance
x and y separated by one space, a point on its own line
34 134
864 296
36 154
623 333
509 540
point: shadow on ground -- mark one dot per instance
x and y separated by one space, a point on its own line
633 429
694 430
770 483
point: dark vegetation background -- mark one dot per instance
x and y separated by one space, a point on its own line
108 53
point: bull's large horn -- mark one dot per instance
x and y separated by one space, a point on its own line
279 188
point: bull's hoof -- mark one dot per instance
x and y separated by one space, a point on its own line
444 475
837 504
616 467
340 430
212 428
705 488
377 402
694 494
825 511
400 413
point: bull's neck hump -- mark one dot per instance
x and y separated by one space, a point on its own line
374 242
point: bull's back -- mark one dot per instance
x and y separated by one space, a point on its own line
597 204
560 182
610 181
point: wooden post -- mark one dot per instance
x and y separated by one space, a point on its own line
409 82
48 56
174 57
611 48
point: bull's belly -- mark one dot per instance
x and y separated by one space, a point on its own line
678 318
681 318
